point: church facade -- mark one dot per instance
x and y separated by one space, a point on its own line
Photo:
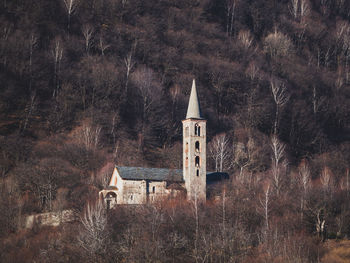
139 185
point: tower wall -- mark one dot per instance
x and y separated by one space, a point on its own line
194 158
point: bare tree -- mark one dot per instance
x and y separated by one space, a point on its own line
104 175
321 222
6 31
150 92
70 6
304 181
325 6
145 80
89 136
57 54
252 71
280 97
299 8
326 180
217 80
42 180
219 149
29 109
265 207
114 122
294 8
230 15
278 44
304 9
317 101
241 157
93 235
343 41
88 32
343 28
304 176
279 163
175 93
102 45
32 44
129 64
246 38
347 181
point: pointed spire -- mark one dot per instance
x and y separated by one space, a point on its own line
193 111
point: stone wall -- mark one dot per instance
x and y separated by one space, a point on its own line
49 219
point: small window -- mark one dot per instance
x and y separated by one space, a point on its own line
197 172
197 146
197 161
186 131
197 130
153 189
131 197
186 162
186 148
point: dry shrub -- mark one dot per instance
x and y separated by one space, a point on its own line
339 252
277 44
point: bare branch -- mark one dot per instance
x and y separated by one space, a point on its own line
93 235
294 8
88 33
102 45
71 6
280 96
277 44
326 178
57 54
304 9
304 175
246 38
279 164
89 136
279 92
219 150
252 71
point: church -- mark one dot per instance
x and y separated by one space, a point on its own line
139 185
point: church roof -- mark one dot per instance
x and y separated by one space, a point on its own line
193 110
163 174
153 174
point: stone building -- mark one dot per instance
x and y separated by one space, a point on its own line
138 185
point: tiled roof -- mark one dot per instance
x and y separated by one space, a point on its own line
154 174
162 174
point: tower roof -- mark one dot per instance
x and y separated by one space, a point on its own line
193 110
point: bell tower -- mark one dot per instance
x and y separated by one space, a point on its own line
194 149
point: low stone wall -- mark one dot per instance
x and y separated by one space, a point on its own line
49 219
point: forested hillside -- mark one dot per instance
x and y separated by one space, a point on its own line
86 84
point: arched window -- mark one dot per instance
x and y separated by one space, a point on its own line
197 130
197 161
111 199
153 189
197 146
197 172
